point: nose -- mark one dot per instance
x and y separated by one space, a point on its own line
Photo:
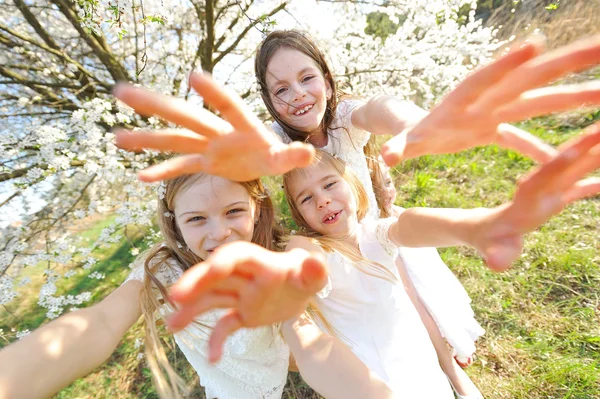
219 231
323 201
298 92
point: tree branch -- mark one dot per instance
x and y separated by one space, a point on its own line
96 43
246 30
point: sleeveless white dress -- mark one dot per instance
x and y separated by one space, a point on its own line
377 320
255 360
439 290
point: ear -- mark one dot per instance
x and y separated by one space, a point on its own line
328 90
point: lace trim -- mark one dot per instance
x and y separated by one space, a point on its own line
382 233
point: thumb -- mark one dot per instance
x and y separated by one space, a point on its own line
313 274
501 254
295 155
393 151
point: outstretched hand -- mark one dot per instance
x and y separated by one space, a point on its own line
506 90
257 286
542 194
236 146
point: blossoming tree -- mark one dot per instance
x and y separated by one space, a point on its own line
60 59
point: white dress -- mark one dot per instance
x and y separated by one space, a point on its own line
377 320
429 274
255 360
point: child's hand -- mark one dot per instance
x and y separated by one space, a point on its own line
258 286
544 193
506 90
238 147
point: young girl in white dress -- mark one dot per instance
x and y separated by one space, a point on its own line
197 214
300 93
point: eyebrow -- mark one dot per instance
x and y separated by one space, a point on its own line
299 73
323 179
225 207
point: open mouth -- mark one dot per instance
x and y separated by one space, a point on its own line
332 217
303 110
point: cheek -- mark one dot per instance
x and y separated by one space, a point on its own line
191 235
391 192
244 228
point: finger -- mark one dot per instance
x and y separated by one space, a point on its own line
546 178
181 141
226 326
230 104
198 280
175 167
186 314
394 150
174 110
525 143
583 189
548 100
293 155
585 165
587 159
487 76
542 70
313 274
232 284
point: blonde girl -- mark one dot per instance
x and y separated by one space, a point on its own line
198 214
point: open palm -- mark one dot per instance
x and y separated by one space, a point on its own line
506 90
237 146
541 195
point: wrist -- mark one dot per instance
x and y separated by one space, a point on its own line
471 226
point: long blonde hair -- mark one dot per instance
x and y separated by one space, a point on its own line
266 234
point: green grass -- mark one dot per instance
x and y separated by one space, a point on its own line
542 317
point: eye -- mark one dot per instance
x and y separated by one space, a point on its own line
329 185
388 183
306 199
280 91
196 219
307 78
234 211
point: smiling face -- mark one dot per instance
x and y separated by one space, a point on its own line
324 199
297 89
213 211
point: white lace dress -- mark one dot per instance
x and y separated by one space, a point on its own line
439 290
254 363
377 320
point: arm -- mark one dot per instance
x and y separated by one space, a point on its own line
387 115
435 227
326 363
497 233
68 348
329 366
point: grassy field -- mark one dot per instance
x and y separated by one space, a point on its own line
542 317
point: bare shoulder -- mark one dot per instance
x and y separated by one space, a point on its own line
303 242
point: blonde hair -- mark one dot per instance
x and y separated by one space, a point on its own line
266 234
